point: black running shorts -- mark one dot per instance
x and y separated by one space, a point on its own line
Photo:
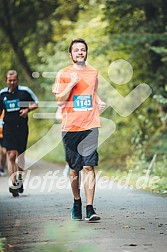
81 148
15 137
1 142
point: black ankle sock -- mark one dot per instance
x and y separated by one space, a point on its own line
77 202
89 207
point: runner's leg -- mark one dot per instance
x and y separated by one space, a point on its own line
75 183
89 184
12 167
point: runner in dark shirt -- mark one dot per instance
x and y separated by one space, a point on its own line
17 101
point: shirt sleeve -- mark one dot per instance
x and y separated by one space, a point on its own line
32 96
61 81
1 103
97 82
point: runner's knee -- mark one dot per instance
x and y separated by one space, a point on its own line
88 168
12 155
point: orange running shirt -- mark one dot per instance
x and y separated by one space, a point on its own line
80 112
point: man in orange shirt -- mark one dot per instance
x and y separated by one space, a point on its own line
75 90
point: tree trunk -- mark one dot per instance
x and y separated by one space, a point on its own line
7 27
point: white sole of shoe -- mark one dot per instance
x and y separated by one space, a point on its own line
94 217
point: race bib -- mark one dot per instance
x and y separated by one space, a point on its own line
12 105
82 102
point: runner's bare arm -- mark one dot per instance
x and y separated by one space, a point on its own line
63 96
101 105
24 112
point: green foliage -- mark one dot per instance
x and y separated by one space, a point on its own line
29 25
64 238
138 27
2 244
160 170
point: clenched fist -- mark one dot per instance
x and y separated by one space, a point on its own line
74 78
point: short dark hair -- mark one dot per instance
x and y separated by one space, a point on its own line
12 72
78 40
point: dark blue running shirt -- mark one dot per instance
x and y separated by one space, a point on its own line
13 102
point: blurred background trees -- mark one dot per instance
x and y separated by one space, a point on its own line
35 36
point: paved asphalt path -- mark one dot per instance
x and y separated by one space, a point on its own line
131 220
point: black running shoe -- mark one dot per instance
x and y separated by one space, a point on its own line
20 185
76 213
2 172
14 190
91 215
